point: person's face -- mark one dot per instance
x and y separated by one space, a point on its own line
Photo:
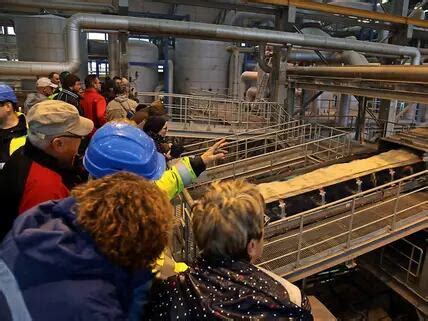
47 91
55 79
164 130
76 87
5 109
66 148
97 84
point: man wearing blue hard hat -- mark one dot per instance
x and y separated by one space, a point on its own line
119 146
13 127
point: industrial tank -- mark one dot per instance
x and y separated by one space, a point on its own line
201 65
143 77
42 38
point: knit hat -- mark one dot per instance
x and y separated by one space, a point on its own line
154 124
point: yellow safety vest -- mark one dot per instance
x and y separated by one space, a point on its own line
173 181
17 142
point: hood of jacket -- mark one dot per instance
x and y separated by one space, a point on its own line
121 98
19 130
48 241
33 99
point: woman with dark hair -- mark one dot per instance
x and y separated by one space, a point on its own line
157 127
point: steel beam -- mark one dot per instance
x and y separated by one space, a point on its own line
356 90
335 9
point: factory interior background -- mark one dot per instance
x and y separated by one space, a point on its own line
323 104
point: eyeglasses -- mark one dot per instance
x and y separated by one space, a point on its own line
266 220
71 136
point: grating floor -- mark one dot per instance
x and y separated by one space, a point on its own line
329 236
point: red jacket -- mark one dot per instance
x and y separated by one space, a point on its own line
28 178
94 107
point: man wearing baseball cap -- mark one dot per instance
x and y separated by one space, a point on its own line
45 88
42 169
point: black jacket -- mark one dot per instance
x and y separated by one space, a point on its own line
6 136
71 98
223 290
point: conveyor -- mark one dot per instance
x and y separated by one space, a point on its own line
326 185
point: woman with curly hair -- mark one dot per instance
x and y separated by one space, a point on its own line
224 283
87 257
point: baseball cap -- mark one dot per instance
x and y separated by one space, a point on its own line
55 118
45 82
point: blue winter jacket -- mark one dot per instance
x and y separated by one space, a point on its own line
50 270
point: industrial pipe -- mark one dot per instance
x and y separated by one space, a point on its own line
58 5
345 11
261 59
190 30
415 74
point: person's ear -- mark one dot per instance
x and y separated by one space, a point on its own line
58 144
252 249
9 106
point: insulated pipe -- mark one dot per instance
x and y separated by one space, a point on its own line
340 10
416 74
246 76
261 59
190 30
59 5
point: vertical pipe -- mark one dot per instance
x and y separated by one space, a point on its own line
344 110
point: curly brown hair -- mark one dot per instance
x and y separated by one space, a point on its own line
128 217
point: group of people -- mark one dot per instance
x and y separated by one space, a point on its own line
85 231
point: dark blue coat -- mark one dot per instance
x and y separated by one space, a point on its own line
50 270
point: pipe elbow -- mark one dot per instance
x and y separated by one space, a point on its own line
262 59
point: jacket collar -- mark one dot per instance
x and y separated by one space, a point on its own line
42 158
91 90
68 92
19 130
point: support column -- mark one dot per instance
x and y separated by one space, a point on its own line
361 120
344 110
291 100
123 53
113 54
387 112
280 22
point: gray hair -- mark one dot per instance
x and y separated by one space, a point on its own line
38 141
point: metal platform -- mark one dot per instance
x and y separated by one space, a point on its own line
211 117
311 248
268 151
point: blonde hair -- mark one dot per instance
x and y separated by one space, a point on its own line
128 217
227 217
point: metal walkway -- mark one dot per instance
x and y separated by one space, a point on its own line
312 248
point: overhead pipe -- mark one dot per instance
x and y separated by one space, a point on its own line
190 30
59 5
346 11
414 74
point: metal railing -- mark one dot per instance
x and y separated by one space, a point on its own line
345 231
289 145
213 111
404 256
288 250
371 129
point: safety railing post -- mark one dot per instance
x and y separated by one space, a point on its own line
299 244
409 267
351 222
397 199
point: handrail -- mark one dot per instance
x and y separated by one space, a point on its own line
348 198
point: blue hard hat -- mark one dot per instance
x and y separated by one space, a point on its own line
122 147
7 94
